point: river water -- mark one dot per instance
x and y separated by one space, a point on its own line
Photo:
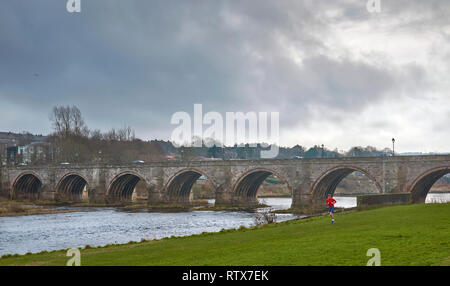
101 226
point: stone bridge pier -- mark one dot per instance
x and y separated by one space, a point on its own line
235 182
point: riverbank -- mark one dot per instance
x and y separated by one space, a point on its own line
9 208
405 235
20 208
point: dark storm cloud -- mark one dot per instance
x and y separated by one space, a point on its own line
137 62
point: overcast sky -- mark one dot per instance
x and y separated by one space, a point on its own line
337 74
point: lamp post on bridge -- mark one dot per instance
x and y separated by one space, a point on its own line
393 146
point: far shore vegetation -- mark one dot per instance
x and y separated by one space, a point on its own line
20 208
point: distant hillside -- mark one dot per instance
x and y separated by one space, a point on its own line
12 138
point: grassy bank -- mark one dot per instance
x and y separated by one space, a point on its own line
405 235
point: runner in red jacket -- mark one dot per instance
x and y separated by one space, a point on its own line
330 202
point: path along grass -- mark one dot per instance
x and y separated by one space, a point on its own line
405 235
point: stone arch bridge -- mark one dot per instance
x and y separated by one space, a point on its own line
235 182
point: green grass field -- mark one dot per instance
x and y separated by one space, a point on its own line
405 235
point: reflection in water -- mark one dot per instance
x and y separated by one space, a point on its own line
102 226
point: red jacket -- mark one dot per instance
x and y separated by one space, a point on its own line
331 202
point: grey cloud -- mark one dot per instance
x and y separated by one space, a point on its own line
137 62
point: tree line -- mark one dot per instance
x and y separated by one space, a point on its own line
72 141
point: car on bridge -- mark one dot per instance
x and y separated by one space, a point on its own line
384 155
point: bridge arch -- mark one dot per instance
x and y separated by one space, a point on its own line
328 181
127 186
179 186
422 185
246 187
27 185
71 187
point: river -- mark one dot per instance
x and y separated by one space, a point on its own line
101 226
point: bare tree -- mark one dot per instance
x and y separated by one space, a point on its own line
60 119
79 128
72 141
67 120
122 134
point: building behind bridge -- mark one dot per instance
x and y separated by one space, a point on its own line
13 144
